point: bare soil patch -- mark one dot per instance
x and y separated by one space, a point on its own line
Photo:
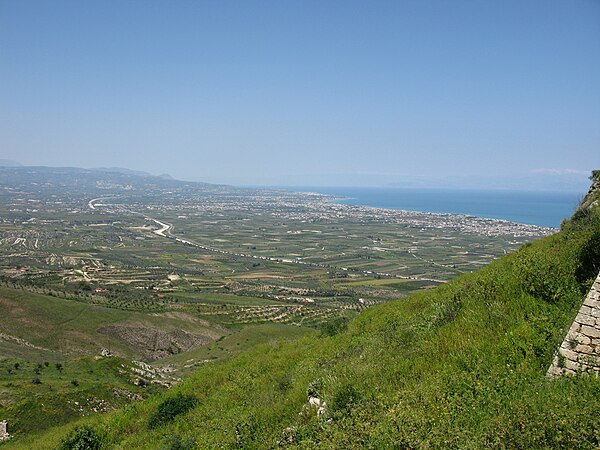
153 343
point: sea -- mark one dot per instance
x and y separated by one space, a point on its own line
543 208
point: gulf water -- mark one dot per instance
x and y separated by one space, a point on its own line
529 207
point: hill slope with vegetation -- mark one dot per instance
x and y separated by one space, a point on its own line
461 366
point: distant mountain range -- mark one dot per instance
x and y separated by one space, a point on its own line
540 180
9 163
102 182
123 170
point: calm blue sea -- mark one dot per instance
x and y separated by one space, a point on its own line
530 207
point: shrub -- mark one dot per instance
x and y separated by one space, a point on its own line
284 384
344 398
589 259
176 442
171 408
334 326
548 274
81 438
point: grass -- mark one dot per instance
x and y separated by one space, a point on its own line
63 391
72 328
462 366
238 342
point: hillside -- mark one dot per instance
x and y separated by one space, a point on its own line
460 366
51 327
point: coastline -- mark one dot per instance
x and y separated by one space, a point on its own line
539 208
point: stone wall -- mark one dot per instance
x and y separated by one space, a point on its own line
580 351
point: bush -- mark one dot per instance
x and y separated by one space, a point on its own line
81 438
344 398
548 274
171 408
176 442
589 258
334 326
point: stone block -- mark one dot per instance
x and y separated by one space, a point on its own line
591 332
584 319
584 349
583 340
554 371
572 365
572 335
566 347
569 354
591 302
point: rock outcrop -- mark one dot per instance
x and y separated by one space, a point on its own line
592 198
4 436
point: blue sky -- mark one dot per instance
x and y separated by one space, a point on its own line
461 93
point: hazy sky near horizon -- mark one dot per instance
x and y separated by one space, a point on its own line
306 92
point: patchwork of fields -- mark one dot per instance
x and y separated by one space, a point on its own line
179 275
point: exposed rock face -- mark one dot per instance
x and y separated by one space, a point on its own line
4 436
153 343
580 351
592 198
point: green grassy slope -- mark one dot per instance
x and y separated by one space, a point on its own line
462 366
37 332
67 328
65 390
233 344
